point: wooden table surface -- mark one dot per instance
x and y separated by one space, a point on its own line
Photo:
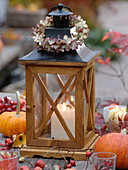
80 165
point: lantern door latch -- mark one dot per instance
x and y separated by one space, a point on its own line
28 107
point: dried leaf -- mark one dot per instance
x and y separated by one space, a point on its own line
19 140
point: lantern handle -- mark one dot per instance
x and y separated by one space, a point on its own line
60 6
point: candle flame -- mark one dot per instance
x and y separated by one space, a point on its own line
64 106
72 98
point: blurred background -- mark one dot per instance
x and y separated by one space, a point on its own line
17 17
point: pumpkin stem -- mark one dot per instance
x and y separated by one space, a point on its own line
18 103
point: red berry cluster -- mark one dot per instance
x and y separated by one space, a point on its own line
39 165
71 163
7 104
7 145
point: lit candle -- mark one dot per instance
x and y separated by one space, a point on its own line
68 114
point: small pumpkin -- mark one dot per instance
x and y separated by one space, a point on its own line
116 143
13 122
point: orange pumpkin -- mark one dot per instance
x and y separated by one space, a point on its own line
12 123
116 143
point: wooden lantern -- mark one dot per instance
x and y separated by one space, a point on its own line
60 97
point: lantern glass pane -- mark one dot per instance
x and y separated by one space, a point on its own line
54 106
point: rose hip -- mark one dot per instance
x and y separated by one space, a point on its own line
40 163
2 105
8 141
7 99
88 154
72 162
68 165
1 100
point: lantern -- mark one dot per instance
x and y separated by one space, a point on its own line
60 97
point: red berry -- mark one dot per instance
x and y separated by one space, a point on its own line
24 167
40 163
1 100
7 99
72 162
7 105
3 110
68 165
13 107
88 154
6 148
3 148
126 117
3 144
8 141
13 103
2 105
37 168
8 109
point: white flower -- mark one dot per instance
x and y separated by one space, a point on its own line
65 37
41 21
38 38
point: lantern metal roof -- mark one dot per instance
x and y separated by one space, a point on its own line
80 57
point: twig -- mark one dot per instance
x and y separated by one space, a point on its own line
126 65
50 150
86 165
54 156
79 150
63 156
29 163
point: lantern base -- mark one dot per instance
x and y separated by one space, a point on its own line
79 154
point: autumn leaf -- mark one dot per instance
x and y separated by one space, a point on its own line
105 37
19 140
105 61
118 39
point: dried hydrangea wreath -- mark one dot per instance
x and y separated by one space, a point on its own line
58 44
